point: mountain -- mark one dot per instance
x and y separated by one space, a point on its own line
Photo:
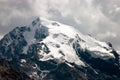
49 50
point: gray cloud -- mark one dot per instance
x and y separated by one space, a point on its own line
99 18
13 13
110 8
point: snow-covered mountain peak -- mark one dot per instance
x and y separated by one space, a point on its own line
60 41
60 38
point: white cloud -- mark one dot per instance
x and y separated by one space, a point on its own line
106 35
40 7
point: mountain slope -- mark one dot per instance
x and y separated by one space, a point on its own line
45 49
8 72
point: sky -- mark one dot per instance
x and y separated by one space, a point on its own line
99 18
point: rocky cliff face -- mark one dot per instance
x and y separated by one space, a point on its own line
9 72
51 50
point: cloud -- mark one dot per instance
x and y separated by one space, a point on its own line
99 18
13 13
106 35
110 8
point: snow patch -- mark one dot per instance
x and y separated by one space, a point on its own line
23 61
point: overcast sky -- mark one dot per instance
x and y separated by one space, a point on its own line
100 18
